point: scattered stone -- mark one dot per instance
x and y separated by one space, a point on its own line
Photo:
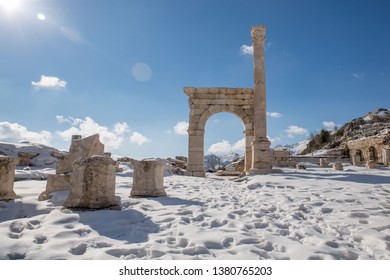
148 178
92 183
338 166
7 176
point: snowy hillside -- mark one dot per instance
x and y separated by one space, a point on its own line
43 155
299 214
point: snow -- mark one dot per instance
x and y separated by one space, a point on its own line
316 213
44 157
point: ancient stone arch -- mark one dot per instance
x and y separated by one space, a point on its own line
249 104
205 102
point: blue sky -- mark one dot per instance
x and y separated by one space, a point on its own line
118 68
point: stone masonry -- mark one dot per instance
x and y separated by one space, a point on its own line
79 148
249 104
7 176
92 183
148 178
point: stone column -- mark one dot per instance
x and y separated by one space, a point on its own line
196 153
261 155
7 177
386 157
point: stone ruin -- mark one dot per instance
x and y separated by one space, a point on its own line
7 176
324 162
376 149
148 178
338 166
79 148
92 183
249 104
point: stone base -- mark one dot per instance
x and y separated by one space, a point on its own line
148 178
7 177
55 183
10 195
337 166
92 183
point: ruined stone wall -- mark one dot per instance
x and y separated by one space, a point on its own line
370 149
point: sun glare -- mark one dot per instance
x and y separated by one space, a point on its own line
10 6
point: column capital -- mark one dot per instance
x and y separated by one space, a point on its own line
258 34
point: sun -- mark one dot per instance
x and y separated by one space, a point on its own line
10 6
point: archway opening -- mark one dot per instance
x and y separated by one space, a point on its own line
372 154
224 142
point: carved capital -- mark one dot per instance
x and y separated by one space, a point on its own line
258 34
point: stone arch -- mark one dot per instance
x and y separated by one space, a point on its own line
206 102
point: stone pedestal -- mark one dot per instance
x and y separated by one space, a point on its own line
92 183
7 177
338 166
148 178
323 162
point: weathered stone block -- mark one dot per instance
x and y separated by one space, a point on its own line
300 166
338 166
148 178
7 177
386 157
92 183
55 183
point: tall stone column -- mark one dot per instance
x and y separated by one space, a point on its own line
261 156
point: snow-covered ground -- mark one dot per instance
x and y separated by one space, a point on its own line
316 213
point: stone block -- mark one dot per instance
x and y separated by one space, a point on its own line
148 178
338 166
324 162
92 183
7 177
56 182
356 160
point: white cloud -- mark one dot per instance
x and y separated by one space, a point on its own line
111 138
359 75
293 130
274 114
273 140
121 128
329 125
246 50
14 132
224 147
181 128
50 82
139 139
